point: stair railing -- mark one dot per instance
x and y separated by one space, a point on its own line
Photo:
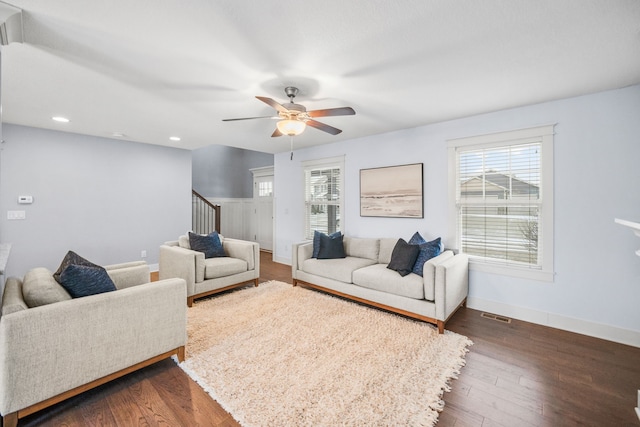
205 216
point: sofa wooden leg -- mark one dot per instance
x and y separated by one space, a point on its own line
10 420
189 301
181 354
255 282
440 324
295 282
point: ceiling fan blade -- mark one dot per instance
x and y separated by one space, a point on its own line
276 133
323 127
273 104
340 111
251 118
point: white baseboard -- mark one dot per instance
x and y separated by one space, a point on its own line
584 327
154 267
282 260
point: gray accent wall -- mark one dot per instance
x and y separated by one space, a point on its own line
224 172
107 200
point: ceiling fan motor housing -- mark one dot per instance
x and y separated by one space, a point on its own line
295 112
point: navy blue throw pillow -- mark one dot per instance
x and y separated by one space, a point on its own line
209 244
69 259
403 257
316 241
331 247
84 280
428 250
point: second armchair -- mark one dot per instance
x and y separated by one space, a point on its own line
206 276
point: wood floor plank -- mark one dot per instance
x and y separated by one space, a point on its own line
580 380
188 400
515 395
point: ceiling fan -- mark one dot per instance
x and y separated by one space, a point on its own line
294 118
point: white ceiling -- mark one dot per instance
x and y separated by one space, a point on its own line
152 69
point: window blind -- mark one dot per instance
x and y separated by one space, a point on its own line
323 186
498 201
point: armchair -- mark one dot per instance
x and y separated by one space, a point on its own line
207 276
53 347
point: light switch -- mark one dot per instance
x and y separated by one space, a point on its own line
16 215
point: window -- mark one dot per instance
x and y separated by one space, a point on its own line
265 189
323 195
501 192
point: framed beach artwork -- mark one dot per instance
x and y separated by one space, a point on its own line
393 191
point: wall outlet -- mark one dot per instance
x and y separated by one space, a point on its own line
143 254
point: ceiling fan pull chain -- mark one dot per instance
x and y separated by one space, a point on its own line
291 140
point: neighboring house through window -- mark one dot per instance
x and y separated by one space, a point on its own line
501 201
323 195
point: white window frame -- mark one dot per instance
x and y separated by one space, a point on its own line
326 163
544 134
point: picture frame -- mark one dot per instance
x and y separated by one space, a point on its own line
392 191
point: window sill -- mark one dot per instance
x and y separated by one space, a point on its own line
504 270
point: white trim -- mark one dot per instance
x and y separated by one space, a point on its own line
321 162
511 270
154 267
282 260
500 137
571 324
263 171
544 135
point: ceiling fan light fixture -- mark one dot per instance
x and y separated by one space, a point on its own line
291 127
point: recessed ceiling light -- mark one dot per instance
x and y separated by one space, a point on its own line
60 119
175 138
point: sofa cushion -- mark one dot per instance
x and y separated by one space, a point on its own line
386 248
380 278
127 274
331 247
223 266
362 247
183 242
403 257
84 280
40 288
209 244
336 269
428 250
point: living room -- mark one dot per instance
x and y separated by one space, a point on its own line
110 198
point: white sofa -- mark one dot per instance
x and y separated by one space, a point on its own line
53 347
206 276
363 276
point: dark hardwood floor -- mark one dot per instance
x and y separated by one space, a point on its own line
517 374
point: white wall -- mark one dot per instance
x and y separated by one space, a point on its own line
105 199
235 217
596 153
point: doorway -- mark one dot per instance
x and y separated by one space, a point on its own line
262 222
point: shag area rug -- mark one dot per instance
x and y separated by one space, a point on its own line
279 355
